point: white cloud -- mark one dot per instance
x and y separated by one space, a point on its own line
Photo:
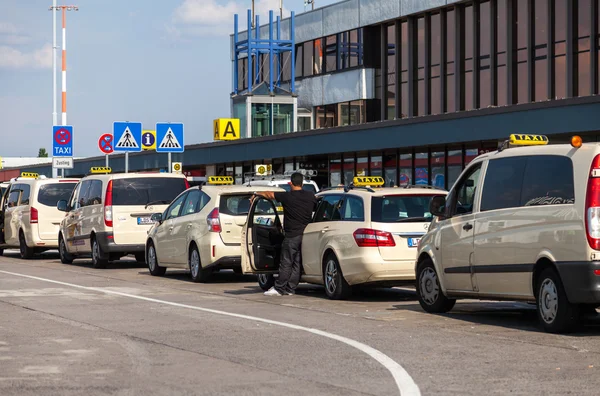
10 35
12 58
214 18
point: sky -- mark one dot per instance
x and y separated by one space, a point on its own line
127 60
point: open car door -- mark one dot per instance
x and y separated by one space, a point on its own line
262 236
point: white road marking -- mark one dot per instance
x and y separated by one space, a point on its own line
406 385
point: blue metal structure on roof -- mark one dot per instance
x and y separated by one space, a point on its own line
254 46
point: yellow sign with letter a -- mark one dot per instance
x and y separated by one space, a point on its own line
226 129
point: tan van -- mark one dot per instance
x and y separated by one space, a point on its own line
108 215
29 215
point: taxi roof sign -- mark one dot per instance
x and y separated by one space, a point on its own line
219 180
30 175
528 140
100 169
368 181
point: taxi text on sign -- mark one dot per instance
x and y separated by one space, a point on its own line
226 129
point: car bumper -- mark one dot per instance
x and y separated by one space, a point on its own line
108 245
581 285
372 270
34 241
226 262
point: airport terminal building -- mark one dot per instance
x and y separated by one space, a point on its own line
411 90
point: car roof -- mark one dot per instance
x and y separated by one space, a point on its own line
134 174
379 192
234 188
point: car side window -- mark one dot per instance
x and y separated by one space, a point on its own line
204 199
329 209
353 208
544 187
175 208
73 200
25 194
94 195
502 184
83 193
13 198
191 203
463 195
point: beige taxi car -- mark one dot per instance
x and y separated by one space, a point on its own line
29 218
521 223
361 234
108 215
201 229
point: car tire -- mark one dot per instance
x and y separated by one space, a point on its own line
198 273
152 260
555 313
1 251
97 261
65 256
25 251
430 294
140 257
266 281
336 286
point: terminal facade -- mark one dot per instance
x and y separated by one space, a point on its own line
408 90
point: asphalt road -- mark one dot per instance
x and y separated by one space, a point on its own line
72 330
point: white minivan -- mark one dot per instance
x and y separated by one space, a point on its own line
521 223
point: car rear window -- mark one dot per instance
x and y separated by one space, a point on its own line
401 208
146 190
50 194
306 187
239 205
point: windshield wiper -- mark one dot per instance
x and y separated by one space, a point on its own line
162 201
413 219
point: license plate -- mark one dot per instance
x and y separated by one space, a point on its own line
413 242
144 221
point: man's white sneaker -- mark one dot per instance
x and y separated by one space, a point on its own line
272 292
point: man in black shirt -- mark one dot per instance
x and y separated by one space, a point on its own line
298 206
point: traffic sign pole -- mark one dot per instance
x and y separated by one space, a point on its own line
126 161
107 161
170 164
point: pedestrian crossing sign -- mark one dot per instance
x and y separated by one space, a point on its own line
169 138
127 136
226 129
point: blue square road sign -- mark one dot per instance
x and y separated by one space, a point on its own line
169 138
127 136
62 141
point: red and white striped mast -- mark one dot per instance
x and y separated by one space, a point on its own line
64 9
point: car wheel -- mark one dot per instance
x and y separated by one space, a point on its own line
198 273
97 261
26 251
266 281
152 261
65 257
336 286
555 312
1 251
140 257
430 294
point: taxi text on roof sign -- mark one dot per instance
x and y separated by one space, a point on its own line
364 181
30 175
226 129
528 140
100 169
220 180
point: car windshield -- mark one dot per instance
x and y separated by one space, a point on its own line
401 208
50 194
305 187
144 190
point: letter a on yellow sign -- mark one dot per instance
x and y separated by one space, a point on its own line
226 129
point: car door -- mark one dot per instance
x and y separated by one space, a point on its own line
165 249
261 240
11 218
70 221
457 232
183 226
81 237
317 233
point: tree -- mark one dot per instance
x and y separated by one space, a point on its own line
42 153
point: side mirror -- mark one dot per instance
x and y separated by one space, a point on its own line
437 206
156 217
62 205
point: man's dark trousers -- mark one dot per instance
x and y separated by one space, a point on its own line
289 267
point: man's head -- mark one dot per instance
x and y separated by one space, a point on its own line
297 181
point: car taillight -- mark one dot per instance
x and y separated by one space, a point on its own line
213 221
366 237
187 184
33 216
108 214
592 205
